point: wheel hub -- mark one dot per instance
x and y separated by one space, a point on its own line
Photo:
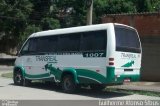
18 78
67 84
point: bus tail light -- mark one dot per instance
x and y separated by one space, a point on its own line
111 61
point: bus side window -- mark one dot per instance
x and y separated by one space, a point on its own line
42 45
74 42
52 44
47 44
29 47
94 41
32 46
25 48
63 43
69 42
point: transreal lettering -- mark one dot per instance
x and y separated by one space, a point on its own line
126 55
46 58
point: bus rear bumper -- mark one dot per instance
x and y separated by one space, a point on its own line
124 78
132 78
114 79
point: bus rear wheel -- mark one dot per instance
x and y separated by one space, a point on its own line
68 84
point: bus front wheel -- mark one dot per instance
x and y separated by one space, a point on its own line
18 78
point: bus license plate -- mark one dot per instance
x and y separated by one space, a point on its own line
127 80
128 69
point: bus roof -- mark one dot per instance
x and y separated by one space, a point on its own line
75 29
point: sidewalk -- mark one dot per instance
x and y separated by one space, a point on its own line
139 86
4 68
6 56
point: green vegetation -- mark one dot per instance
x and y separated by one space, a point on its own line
7 75
20 18
140 92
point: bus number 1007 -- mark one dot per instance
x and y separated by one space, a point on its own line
94 54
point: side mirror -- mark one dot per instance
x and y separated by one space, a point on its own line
17 54
18 50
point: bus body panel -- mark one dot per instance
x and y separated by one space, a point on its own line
127 61
35 66
89 67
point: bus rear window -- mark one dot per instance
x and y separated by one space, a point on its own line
126 39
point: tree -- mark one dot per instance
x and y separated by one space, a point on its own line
71 13
20 18
143 5
102 7
155 5
13 16
30 29
49 23
44 15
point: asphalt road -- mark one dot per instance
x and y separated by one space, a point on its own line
40 92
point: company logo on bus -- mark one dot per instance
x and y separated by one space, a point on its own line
127 55
47 58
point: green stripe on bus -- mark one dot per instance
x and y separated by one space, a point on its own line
91 74
37 76
86 80
95 76
110 74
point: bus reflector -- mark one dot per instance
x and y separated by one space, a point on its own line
97 70
111 63
111 59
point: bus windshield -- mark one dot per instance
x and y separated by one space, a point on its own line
127 39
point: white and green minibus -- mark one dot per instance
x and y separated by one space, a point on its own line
94 55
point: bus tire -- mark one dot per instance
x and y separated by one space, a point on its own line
97 87
68 84
18 77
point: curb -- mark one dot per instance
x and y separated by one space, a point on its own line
138 88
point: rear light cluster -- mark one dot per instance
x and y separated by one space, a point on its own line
111 61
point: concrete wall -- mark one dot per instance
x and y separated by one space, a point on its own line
151 62
148 26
